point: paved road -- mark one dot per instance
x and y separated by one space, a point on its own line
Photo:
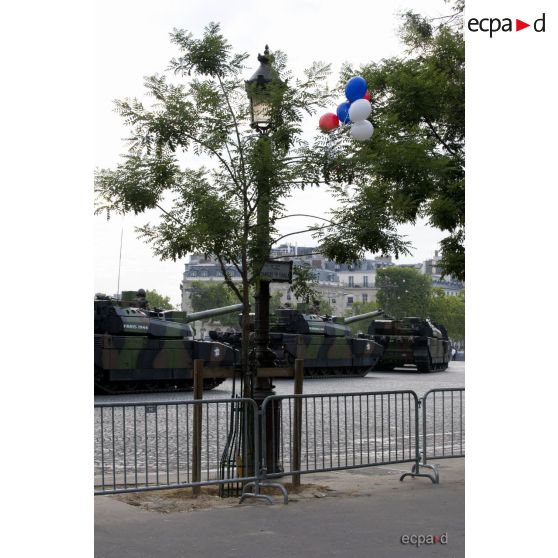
400 378
365 515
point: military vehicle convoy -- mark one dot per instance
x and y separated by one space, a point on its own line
411 340
140 350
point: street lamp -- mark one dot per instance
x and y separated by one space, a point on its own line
262 89
259 94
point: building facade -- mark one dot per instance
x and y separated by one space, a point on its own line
342 285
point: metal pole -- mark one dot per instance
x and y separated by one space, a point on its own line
297 427
197 425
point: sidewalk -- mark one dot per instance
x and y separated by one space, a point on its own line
361 513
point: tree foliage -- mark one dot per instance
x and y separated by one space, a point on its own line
305 284
403 291
156 300
406 292
200 113
450 312
414 166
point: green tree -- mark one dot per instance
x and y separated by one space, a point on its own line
214 209
326 309
157 300
275 302
305 284
450 312
403 291
414 166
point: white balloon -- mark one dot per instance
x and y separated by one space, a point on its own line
360 110
362 131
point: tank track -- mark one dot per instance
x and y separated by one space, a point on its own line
344 372
422 368
102 387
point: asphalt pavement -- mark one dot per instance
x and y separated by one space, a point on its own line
363 513
358 513
400 378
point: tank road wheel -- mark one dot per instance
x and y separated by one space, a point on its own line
101 387
425 367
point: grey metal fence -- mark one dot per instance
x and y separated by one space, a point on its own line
329 432
443 424
169 444
147 446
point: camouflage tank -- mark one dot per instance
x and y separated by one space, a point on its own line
326 343
411 340
141 350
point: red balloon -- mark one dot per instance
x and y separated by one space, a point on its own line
328 122
367 95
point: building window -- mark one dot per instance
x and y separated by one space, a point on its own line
349 301
365 281
364 298
351 281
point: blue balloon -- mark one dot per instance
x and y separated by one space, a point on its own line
343 113
356 88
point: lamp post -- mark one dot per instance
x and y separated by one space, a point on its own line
261 89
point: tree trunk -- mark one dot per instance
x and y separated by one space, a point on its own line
245 347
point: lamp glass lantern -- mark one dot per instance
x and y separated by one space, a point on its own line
259 94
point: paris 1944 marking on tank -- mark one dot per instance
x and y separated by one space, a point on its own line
141 350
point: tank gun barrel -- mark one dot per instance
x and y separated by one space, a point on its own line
213 312
366 316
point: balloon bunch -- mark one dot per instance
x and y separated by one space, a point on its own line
354 111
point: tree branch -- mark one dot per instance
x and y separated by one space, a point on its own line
305 215
275 241
298 255
437 136
228 279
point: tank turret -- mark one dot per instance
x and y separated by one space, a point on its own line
138 349
326 343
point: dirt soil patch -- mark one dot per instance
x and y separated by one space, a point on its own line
183 500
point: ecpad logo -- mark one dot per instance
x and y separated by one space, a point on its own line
493 25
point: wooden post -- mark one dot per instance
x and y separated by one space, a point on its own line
197 425
297 434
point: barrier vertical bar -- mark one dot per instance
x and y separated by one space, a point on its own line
197 426
297 433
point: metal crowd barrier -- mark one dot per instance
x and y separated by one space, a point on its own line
162 445
443 426
331 432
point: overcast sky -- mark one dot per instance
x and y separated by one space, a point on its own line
132 41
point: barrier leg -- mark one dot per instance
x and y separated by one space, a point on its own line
197 426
